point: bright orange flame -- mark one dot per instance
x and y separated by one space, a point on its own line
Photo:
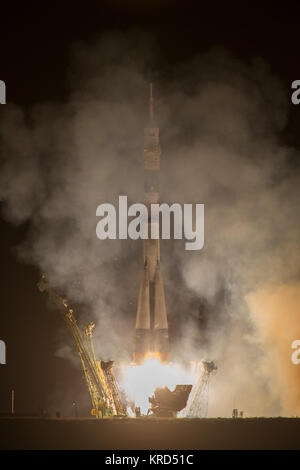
140 381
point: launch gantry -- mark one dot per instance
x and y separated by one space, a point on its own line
102 385
197 406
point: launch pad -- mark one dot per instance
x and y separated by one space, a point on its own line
166 404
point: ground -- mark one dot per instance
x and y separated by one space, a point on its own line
149 433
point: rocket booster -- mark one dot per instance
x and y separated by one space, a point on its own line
151 320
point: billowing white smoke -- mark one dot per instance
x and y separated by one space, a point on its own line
220 123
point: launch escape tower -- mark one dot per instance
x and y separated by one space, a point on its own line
151 336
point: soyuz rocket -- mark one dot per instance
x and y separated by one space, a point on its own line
151 333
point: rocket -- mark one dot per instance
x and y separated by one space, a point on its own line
151 333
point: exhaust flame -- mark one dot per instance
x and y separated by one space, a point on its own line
140 381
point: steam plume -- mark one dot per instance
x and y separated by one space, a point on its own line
220 122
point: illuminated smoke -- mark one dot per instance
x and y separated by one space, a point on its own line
276 312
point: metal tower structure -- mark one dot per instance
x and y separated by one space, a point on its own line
103 390
197 406
106 373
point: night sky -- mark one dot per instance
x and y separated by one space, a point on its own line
35 40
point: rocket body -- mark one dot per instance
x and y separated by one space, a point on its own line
151 320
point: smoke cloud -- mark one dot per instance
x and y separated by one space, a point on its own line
220 121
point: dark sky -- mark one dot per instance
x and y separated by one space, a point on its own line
35 40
